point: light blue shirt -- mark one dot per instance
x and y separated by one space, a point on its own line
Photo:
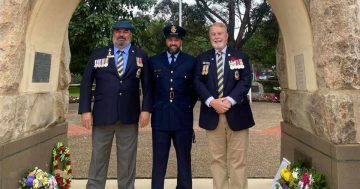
208 100
169 56
125 54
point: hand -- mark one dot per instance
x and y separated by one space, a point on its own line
144 119
86 119
219 106
226 102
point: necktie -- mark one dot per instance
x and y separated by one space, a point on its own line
120 63
220 74
172 59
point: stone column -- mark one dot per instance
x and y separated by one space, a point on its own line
30 122
322 127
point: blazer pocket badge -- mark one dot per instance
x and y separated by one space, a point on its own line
237 75
205 68
109 55
139 65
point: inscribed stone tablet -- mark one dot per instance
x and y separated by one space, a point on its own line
300 72
41 72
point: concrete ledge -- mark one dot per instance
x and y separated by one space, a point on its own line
339 163
18 156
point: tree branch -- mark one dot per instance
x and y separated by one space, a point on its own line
244 24
205 7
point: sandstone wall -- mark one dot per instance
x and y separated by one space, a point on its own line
25 114
336 43
332 112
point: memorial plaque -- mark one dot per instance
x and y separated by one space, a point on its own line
41 72
300 72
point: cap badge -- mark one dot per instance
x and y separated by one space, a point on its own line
173 29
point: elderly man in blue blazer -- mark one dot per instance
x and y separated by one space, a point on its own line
117 71
222 80
173 101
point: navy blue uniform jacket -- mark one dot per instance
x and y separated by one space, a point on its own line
239 116
173 94
116 99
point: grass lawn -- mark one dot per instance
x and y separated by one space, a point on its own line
74 91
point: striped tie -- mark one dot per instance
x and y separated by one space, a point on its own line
220 73
120 63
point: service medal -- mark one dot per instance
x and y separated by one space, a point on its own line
139 62
205 68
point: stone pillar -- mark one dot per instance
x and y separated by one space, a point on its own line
31 121
322 126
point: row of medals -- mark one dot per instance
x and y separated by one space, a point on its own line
104 62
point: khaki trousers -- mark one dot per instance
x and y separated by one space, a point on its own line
229 156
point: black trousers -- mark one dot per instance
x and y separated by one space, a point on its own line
182 140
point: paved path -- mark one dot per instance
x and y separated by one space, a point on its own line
264 146
171 184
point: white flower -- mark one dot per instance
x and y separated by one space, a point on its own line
295 173
311 179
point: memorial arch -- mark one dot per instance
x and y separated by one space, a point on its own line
318 66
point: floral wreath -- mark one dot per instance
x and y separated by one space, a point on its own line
61 154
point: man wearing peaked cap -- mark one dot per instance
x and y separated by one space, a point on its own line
173 98
174 31
117 70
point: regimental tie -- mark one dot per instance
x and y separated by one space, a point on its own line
220 73
120 63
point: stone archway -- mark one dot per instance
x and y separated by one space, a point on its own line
318 66
320 76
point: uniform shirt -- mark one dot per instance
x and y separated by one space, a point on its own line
232 101
169 56
125 54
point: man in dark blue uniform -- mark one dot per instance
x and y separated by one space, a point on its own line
222 80
173 102
117 70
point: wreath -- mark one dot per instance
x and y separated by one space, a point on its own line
61 154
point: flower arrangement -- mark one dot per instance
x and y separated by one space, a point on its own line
298 176
61 154
38 179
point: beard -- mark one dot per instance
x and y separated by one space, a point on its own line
121 42
173 49
218 45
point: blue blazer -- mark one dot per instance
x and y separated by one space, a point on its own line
173 95
116 99
237 83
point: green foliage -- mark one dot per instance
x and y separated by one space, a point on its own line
194 22
270 86
74 91
76 78
90 26
261 47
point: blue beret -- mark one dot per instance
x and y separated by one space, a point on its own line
174 30
123 25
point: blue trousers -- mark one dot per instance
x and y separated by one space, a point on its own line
182 140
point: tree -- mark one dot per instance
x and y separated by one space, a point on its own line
90 26
261 47
194 22
242 15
